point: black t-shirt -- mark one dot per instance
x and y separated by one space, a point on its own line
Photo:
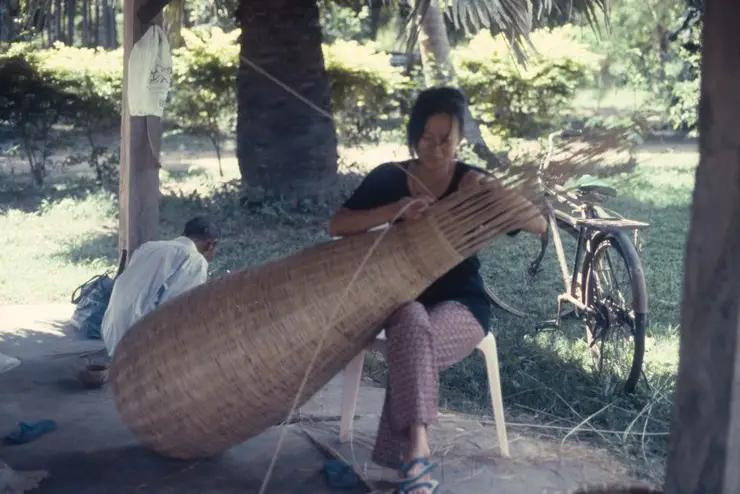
387 184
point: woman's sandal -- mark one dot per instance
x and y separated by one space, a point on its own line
429 486
428 467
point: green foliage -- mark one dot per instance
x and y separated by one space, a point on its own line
638 55
685 109
339 22
78 87
204 77
363 85
516 100
634 49
32 106
94 77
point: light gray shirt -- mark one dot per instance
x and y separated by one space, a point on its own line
157 272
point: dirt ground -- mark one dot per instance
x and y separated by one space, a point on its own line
91 451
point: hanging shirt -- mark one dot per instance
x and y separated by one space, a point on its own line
158 271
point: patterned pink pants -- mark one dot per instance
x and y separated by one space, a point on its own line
421 343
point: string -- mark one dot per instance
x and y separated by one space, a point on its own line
318 109
327 325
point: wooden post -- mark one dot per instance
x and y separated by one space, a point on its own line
140 142
704 454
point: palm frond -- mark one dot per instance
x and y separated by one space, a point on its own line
515 18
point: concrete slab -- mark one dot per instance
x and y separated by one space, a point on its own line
93 452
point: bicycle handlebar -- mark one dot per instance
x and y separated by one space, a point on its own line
563 134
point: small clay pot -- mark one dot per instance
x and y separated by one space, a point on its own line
93 375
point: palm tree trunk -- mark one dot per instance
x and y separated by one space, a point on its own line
434 46
284 146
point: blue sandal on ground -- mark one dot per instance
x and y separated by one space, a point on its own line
429 486
427 468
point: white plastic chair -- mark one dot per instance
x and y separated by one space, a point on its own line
353 375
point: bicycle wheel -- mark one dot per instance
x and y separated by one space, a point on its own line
505 267
616 332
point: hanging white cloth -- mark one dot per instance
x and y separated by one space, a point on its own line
149 74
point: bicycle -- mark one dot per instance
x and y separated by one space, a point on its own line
601 242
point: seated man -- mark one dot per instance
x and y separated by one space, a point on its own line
158 271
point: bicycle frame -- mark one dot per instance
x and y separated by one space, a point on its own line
586 211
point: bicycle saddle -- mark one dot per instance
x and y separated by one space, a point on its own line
588 184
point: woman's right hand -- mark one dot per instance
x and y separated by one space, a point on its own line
411 208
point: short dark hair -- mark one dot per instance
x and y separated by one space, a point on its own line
430 102
201 228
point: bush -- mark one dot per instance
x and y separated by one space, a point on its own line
519 101
95 77
81 88
203 100
684 112
32 106
363 85
78 87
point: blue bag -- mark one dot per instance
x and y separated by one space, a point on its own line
92 299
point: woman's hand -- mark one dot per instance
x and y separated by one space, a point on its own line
471 179
411 208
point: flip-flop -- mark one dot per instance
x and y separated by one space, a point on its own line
428 467
29 431
431 487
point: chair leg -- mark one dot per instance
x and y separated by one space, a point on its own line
490 353
350 392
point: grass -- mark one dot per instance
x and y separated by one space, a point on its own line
59 237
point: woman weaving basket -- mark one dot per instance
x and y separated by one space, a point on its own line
446 323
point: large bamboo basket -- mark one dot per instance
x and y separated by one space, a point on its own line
223 362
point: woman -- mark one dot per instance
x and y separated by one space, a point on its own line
446 323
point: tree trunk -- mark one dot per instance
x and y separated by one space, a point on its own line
376 9
86 21
434 47
105 24
113 24
71 14
58 32
705 434
98 37
284 146
109 24
6 21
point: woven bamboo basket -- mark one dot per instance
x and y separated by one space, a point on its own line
223 362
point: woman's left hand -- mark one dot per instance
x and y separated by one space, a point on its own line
471 179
